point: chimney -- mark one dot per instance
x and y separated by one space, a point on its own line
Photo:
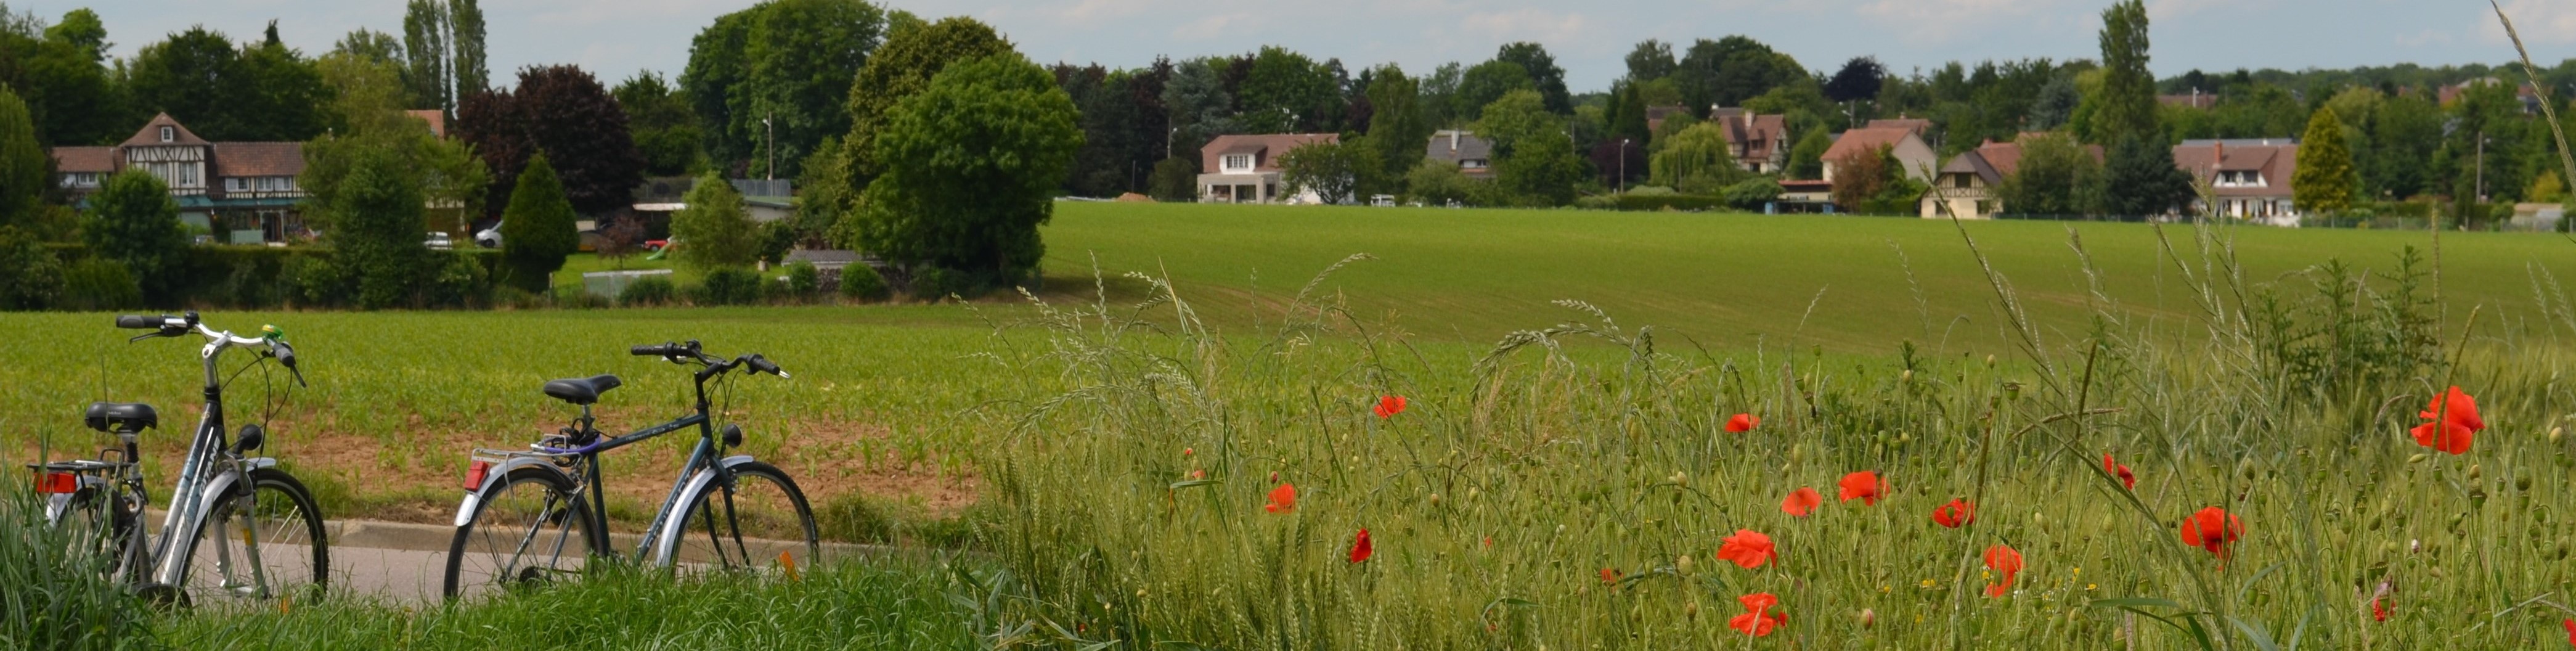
1453 142
2217 159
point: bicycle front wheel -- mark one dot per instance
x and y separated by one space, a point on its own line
263 544
759 521
529 529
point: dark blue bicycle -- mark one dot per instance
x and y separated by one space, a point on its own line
532 515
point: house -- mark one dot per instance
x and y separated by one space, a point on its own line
1655 115
2250 178
241 192
1802 196
1474 156
437 121
1970 180
1911 152
1761 142
2524 92
1921 127
1245 168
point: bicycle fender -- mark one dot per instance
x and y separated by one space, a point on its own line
666 541
497 474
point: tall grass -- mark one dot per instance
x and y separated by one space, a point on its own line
1568 489
53 597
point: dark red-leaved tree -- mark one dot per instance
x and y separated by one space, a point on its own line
565 113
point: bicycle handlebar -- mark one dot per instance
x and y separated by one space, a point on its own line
691 352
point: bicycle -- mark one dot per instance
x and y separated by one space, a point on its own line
283 551
530 516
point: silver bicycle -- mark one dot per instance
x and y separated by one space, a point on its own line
237 529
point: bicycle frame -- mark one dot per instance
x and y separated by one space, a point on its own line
211 470
584 460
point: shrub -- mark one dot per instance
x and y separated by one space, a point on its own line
537 227
728 286
30 275
1669 202
805 281
649 291
133 221
935 284
862 282
776 238
713 231
101 284
774 290
245 286
313 282
1751 193
461 282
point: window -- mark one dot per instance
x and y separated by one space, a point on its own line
1237 162
272 184
187 176
169 134
1472 164
236 184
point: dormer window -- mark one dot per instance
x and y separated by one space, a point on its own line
2240 179
169 134
1472 164
1238 162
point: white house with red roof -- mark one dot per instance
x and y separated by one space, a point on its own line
1244 168
242 192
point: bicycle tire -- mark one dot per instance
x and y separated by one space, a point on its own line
501 508
288 527
763 518
101 522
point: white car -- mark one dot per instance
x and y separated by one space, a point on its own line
489 238
439 241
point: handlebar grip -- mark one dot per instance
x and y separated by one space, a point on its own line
285 354
653 350
763 365
139 322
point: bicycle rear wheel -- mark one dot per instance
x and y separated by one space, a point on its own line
99 521
529 529
263 544
760 521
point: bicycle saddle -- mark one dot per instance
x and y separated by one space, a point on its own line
125 416
582 390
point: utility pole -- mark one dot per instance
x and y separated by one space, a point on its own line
2482 166
772 172
1623 166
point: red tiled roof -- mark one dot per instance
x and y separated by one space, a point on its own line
2276 161
437 120
1265 148
1865 139
1917 125
259 159
150 134
84 159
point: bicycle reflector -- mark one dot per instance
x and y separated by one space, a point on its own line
57 483
474 475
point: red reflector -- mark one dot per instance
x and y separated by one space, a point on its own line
474 475
57 483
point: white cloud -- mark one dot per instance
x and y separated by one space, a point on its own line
1940 21
1528 24
2538 21
1207 28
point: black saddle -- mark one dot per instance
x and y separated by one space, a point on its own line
121 416
582 390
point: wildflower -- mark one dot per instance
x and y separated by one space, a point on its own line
2003 559
1189 451
2377 613
2127 480
1863 485
2571 631
1610 576
1389 406
1757 621
1747 548
1282 499
1198 473
1360 549
1868 618
2453 418
1801 502
1954 514
1743 423
2212 529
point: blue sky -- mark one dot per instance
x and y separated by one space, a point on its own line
614 38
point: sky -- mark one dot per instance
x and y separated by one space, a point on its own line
616 38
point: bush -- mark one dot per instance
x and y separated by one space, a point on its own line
862 282
805 281
1670 201
461 282
313 282
776 238
99 284
30 275
935 284
1751 193
728 286
649 291
775 291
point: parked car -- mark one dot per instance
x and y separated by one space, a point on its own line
489 238
440 241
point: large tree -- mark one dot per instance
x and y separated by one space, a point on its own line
467 68
376 236
23 164
1727 71
2323 184
61 73
1545 76
1651 60
2128 97
1534 159
134 222
903 67
1200 110
537 229
368 97
714 230
663 126
977 215
1333 170
1697 160
1396 125
564 113
425 48
2056 177
1489 82
256 92
771 82
2143 181
1285 92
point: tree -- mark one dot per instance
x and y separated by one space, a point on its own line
1176 179
715 231
1487 83
2143 180
258 92
1698 160
2055 104
2405 132
562 112
23 164
1860 78
376 231
1727 71
366 107
973 215
1396 126
1626 116
425 40
2128 98
1285 92
537 228
1807 158
623 235
658 117
1439 183
2056 176
1332 169
72 96
2323 183
1651 60
1545 76
1618 162
1199 107
373 47
903 67
466 68
824 196
791 63
31 276
1534 160
134 222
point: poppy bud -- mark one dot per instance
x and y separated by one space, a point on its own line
1471 492
1274 475
1691 610
2415 458
1906 377
1140 593
1683 565
1681 478
1435 499
2556 432
1868 618
2474 471
1990 360
2522 484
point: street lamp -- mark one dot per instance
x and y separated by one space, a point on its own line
1623 166
772 172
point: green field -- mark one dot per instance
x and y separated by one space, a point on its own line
1112 454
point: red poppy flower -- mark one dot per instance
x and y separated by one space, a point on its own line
1389 406
1743 423
1954 514
1748 548
2571 631
1282 499
2126 480
1360 549
1801 502
2002 558
1863 485
1198 473
1609 576
1757 620
2452 418
2212 529
2377 613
